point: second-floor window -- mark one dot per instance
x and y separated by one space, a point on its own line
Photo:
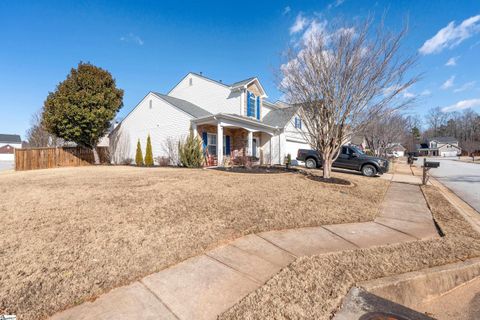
253 105
298 123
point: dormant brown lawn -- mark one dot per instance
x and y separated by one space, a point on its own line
69 235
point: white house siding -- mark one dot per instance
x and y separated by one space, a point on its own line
211 96
294 139
448 151
265 110
161 121
9 156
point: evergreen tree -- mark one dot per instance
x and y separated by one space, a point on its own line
82 106
149 153
191 152
139 155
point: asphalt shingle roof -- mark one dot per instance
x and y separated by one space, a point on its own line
188 107
279 117
241 83
445 139
10 138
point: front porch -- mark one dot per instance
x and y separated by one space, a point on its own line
242 142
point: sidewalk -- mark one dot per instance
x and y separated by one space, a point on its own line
203 287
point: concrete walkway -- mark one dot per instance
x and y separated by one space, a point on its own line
205 286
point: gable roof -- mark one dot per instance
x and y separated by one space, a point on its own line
242 83
444 139
10 138
280 117
185 106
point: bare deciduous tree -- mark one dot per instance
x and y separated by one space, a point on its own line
38 137
343 79
170 147
382 133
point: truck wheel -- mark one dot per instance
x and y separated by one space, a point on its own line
310 163
368 170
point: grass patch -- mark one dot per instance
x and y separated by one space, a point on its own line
313 287
71 234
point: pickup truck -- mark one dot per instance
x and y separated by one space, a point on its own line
350 157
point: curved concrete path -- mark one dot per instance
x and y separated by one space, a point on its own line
207 285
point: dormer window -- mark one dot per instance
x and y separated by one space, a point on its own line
253 105
298 123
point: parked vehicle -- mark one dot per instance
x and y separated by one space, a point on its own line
350 158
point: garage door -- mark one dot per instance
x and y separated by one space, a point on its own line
293 146
448 153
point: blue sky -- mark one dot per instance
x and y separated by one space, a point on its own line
151 45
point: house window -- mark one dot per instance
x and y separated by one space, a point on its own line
251 104
190 82
150 104
298 123
212 143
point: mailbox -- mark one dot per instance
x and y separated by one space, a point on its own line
431 164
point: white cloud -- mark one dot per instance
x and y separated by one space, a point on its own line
466 86
448 84
452 62
408 95
451 35
426 92
132 38
299 24
464 104
335 4
286 10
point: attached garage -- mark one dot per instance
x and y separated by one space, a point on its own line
448 153
293 146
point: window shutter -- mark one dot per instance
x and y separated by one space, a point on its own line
204 138
227 145
248 104
258 108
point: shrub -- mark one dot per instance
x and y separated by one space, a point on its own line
170 147
139 156
149 153
288 160
190 152
126 161
163 161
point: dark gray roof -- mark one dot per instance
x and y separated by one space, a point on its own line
242 83
10 138
188 107
279 117
444 139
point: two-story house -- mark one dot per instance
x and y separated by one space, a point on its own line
239 113
440 146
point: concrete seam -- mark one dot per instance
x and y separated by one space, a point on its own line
234 269
294 255
408 234
159 299
342 238
396 230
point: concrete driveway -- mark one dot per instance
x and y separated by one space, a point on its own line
460 177
6 165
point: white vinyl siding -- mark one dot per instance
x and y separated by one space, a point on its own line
161 121
209 95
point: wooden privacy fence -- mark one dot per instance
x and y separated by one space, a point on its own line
45 158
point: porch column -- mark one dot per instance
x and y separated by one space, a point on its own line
219 144
194 129
250 144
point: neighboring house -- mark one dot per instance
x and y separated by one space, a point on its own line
8 143
440 146
359 141
397 149
239 113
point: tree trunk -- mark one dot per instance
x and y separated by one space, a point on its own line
96 158
327 168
